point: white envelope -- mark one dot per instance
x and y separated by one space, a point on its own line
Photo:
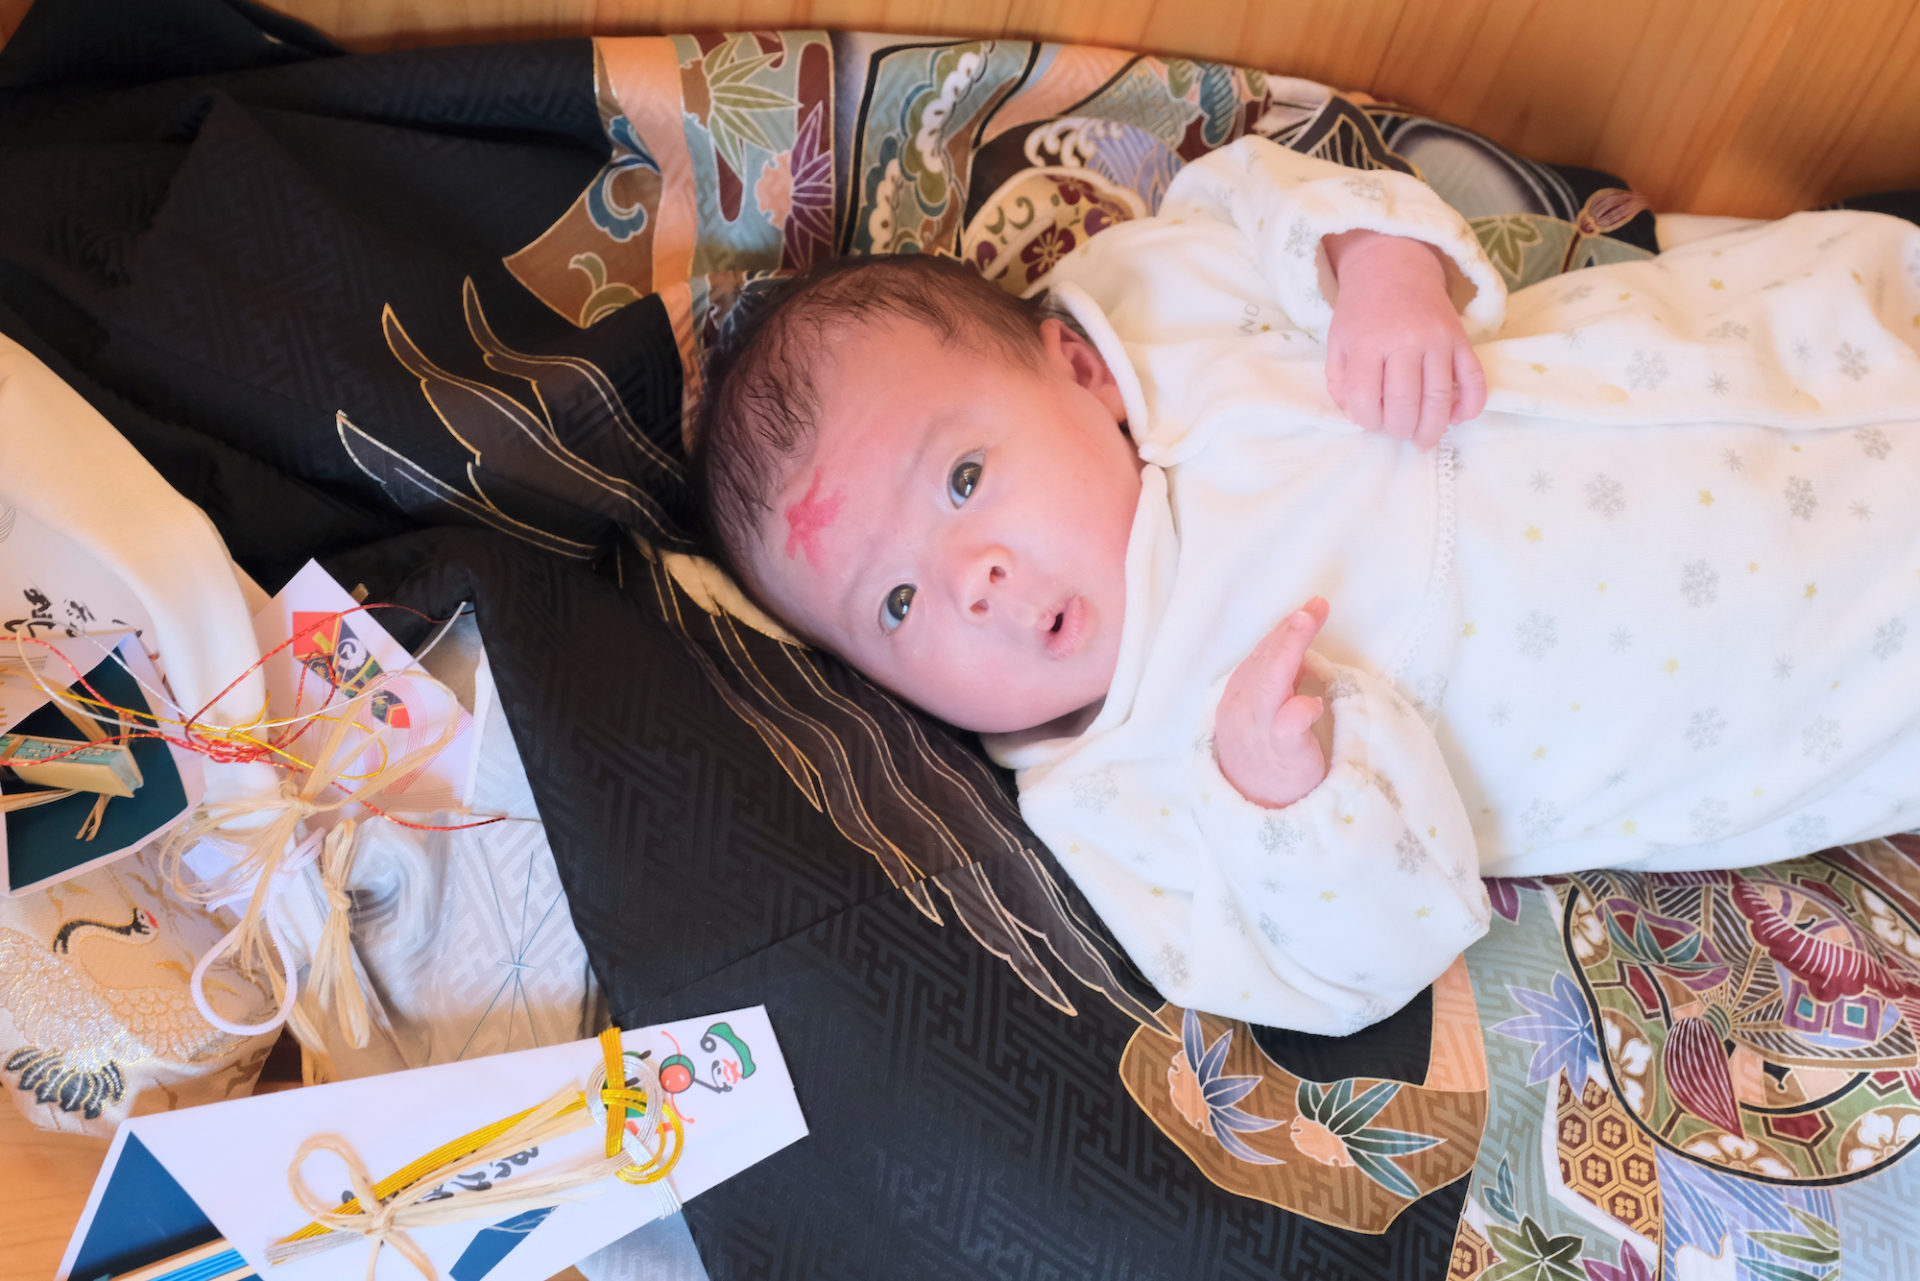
227 1162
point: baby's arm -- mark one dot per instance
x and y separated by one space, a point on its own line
1325 915
1398 359
1373 263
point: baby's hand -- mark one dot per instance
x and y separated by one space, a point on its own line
1263 731
1397 358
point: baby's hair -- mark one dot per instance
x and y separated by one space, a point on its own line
760 407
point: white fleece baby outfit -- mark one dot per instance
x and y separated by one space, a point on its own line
1651 609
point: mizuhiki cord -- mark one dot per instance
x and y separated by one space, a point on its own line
381 1213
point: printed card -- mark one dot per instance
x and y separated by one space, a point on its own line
173 1180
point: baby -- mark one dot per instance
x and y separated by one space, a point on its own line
1645 605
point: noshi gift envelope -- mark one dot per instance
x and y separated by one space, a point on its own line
174 1181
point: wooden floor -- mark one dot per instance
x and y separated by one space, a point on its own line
44 1181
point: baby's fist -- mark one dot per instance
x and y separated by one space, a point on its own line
1398 360
1263 729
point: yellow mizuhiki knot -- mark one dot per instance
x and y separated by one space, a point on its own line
615 1093
619 1102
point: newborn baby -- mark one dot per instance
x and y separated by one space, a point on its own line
1645 605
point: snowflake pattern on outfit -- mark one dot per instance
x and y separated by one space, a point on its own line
1170 972
1705 728
1821 739
1853 361
1369 1013
1299 238
1699 583
1888 638
1800 499
1274 934
1620 641
1537 634
1807 833
1367 187
1095 791
1606 497
1427 693
1278 836
1646 371
1874 442
1341 685
1728 329
1539 820
1409 853
1709 818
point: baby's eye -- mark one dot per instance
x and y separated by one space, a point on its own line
893 610
965 479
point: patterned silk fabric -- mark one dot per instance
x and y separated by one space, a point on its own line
95 1021
434 316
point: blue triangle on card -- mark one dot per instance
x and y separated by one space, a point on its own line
490 1244
144 1216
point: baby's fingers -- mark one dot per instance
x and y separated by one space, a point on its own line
1360 400
1296 716
1277 658
1436 397
1401 393
1470 383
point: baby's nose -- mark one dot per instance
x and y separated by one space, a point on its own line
982 605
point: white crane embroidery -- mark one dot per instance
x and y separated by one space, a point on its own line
77 1033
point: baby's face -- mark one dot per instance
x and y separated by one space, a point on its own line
959 533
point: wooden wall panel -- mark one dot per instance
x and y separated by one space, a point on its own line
1752 107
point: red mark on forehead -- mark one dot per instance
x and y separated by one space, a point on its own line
808 519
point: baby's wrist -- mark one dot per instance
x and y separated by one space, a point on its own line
1362 255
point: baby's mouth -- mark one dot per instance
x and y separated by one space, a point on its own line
1063 635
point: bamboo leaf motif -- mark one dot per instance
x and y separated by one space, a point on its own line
737 104
1505 239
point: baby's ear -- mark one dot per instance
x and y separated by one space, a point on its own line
1081 362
